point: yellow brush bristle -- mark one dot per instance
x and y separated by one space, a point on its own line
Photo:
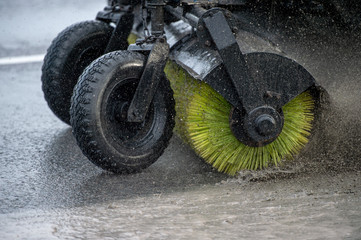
203 121
132 38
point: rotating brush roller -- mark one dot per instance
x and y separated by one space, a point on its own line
203 122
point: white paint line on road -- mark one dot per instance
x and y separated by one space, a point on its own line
21 59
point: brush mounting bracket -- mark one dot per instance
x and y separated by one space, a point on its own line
257 120
217 33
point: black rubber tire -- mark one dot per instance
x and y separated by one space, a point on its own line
99 121
68 55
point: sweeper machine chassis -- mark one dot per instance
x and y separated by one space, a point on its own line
121 103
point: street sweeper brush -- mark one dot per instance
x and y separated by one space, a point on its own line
237 106
203 122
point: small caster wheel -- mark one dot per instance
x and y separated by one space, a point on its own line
99 115
68 55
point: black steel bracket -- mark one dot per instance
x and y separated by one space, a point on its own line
118 40
216 30
257 119
221 35
152 74
112 14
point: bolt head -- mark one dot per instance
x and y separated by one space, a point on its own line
265 124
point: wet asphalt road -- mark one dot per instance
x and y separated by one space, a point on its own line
49 190
42 165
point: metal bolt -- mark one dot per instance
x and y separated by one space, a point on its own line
265 124
200 28
268 94
207 43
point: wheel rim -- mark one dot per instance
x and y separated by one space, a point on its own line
121 133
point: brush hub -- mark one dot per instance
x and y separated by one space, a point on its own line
258 128
265 124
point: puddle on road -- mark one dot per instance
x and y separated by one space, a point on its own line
282 209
